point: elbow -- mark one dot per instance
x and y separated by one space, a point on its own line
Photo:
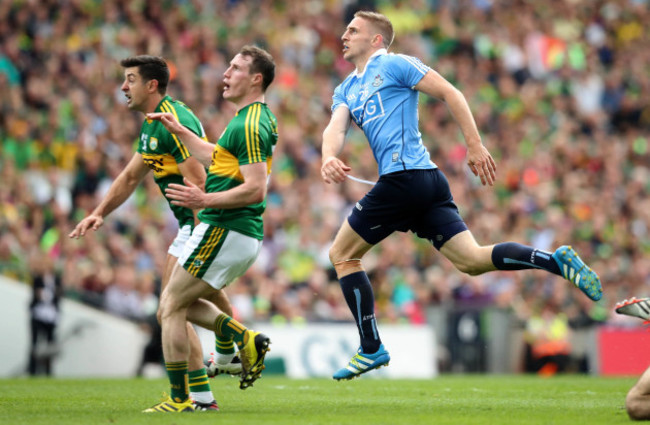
201 184
206 160
451 95
258 195
130 182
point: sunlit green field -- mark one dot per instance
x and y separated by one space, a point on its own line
449 399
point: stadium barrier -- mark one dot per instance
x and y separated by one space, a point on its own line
623 350
89 342
93 343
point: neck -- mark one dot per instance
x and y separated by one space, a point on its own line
361 63
247 100
153 102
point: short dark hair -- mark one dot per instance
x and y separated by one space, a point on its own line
381 23
150 68
262 63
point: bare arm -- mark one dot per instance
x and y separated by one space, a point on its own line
251 191
194 171
120 190
333 169
199 148
478 158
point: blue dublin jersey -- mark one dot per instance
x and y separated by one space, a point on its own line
384 104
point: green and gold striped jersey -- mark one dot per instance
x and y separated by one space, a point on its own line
250 137
162 151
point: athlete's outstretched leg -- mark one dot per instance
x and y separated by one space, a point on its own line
346 253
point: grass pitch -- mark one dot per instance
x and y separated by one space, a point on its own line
475 399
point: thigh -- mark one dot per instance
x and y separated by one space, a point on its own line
221 300
182 290
170 263
387 208
348 244
439 226
174 252
218 256
463 249
439 220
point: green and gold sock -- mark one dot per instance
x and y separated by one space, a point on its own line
200 386
224 346
179 380
227 327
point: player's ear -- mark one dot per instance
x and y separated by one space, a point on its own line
257 79
152 85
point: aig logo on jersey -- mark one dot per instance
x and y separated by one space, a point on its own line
370 111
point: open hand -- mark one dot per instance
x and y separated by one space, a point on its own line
188 196
168 120
482 165
91 222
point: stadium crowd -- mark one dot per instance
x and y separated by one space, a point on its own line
559 89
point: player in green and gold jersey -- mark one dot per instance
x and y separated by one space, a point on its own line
228 238
249 138
145 86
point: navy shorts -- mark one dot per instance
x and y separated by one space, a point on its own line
415 200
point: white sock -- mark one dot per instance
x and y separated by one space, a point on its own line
202 397
223 359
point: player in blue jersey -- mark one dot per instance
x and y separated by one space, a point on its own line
381 97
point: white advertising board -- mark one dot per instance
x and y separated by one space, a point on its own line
318 350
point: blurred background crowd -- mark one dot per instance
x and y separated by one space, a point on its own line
559 90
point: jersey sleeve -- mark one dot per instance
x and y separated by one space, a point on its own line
338 98
258 137
176 147
407 70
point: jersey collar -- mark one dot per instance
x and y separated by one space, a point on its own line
159 107
370 59
247 106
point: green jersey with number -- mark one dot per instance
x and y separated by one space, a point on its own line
162 151
249 138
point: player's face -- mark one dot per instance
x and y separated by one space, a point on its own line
237 79
357 39
135 89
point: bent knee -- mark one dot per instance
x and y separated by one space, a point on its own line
637 406
336 255
470 268
636 412
167 307
344 264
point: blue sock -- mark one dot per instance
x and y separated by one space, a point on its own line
357 291
514 256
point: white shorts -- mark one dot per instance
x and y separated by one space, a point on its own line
218 256
176 248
